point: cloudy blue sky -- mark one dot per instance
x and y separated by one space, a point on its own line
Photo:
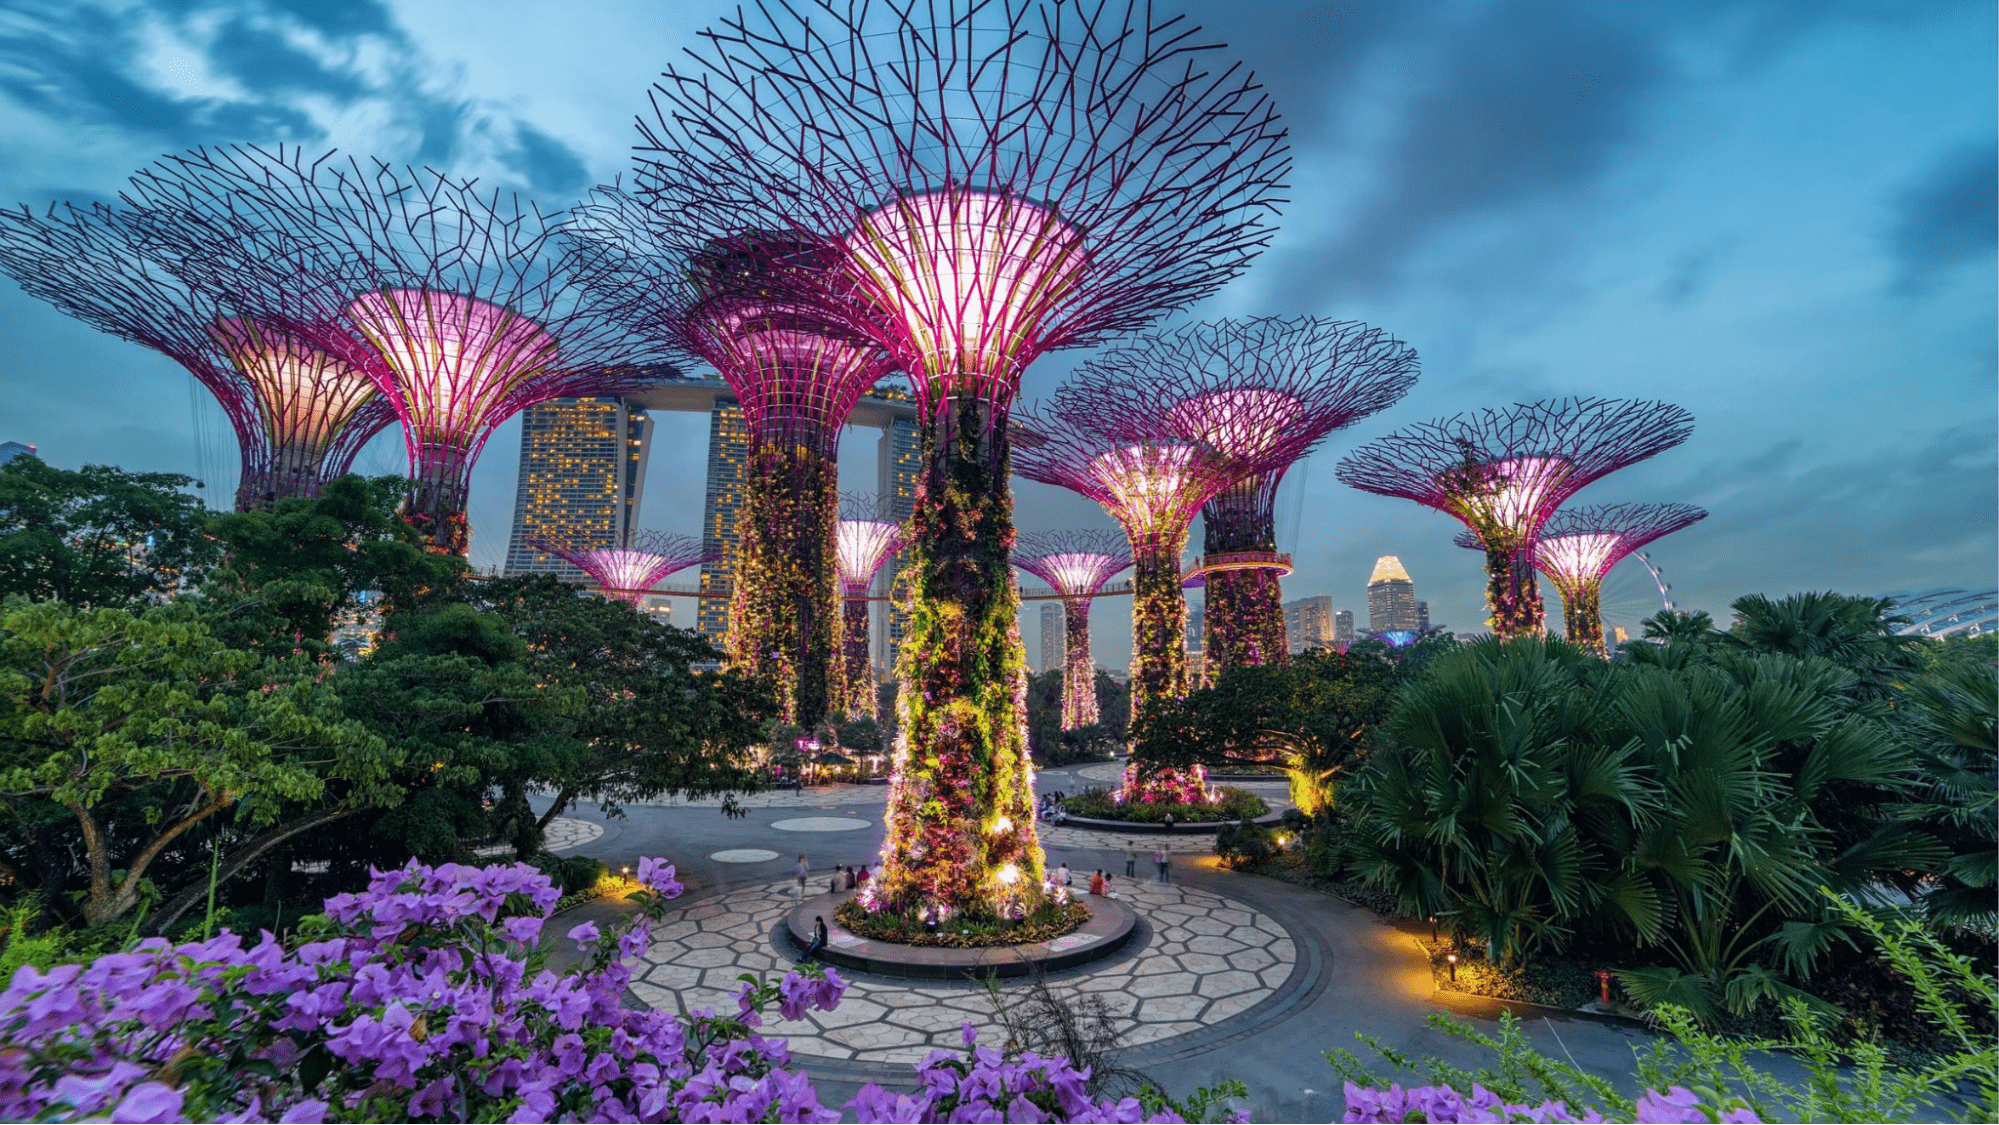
1777 214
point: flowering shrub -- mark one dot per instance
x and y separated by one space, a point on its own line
1444 1104
1051 918
1152 800
983 1086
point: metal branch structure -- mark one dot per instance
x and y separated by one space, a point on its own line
454 301
1578 546
1076 564
1268 391
867 537
749 305
1152 481
1000 178
628 574
1503 473
300 414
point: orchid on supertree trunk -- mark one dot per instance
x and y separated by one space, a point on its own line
1151 480
300 413
1076 564
1265 390
627 574
1003 179
451 301
868 536
1578 546
757 305
1504 472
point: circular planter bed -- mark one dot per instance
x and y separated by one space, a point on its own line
1140 826
1099 806
1110 927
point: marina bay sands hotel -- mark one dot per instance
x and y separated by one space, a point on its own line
583 468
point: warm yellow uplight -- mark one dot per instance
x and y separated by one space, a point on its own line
1003 824
1010 874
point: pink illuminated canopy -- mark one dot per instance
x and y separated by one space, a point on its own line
627 574
1079 572
305 397
1249 422
971 278
1577 557
863 546
453 362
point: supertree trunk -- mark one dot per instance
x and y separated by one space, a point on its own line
436 503
1242 621
1079 671
859 699
784 609
1582 613
960 818
1158 626
1513 591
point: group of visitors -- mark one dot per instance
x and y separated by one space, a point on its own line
1049 807
1161 858
844 878
1100 880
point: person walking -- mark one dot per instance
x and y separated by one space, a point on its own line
1159 857
818 937
804 869
1131 859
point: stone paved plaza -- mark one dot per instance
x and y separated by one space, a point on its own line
1207 958
564 833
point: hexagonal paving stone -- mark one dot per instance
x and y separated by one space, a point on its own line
1228 984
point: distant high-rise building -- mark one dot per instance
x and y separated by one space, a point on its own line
1391 598
1197 660
728 453
1053 636
1308 623
1194 624
899 459
582 476
1422 617
1343 627
12 449
660 606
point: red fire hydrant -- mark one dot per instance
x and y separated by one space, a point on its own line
1603 982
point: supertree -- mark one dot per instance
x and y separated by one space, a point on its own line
1152 481
300 414
1267 391
455 302
752 306
1504 472
1076 564
1578 546
1002 178
868 536
627 574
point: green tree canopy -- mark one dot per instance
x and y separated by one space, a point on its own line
99 536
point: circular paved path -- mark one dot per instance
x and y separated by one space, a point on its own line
1207 959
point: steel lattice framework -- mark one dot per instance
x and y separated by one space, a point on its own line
1578 546
868 536
751 309
300 414
1503 473
1076 564
1000 178
1265 390
457 302
627 574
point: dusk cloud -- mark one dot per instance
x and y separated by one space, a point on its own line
1948 218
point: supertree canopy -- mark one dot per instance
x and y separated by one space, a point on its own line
867 537
1151 481
300 414
453 301
1267 391
628 573
1578 546
755 307
1504 472
1001 178
1076 564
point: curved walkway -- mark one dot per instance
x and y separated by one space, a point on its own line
1349 971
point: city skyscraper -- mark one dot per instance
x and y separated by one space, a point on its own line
582 477
899 459
1343 627
1391 598
1422 617
1196 655
1308 623
1052 636
728 452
